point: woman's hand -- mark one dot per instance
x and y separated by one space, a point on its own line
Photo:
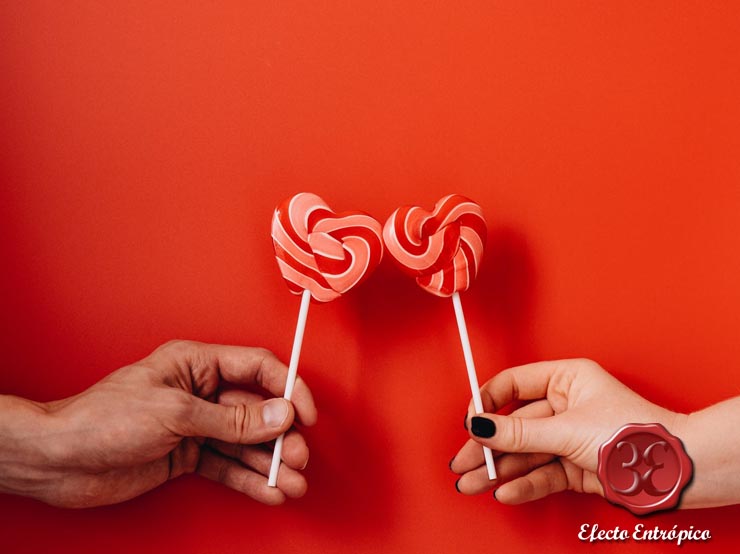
550 444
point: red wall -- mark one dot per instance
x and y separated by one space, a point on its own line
143 149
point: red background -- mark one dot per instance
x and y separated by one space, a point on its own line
143 149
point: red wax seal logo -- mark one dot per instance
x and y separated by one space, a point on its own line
644 468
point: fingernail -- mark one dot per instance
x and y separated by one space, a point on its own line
450 464
274 412
305 465
494 495
483 427
457 485
465 422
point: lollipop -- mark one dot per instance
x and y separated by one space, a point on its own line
321 255
442 249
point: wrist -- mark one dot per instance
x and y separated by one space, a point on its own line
24 446
676 423
686 433
679 425
712 440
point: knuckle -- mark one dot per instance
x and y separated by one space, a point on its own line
558 390
518 438
222 472
191 465
266 359
181 405
506 379
242 422
172 349
192 455
262 352
527 489
587 365
88 495
176 345
75 503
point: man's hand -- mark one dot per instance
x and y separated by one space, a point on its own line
159 418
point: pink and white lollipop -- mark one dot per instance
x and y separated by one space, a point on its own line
321 255
442 249
322 252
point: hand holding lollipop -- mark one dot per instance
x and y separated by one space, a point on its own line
443 249
322 255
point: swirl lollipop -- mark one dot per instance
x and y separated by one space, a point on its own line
442 249
321 255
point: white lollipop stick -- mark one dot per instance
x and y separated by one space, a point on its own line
472 377
290 381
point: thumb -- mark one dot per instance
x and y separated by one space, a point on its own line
547 435
241 423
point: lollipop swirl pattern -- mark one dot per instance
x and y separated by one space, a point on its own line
321 251
441 248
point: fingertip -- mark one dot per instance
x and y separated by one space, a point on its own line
308 419
236 476
295 450
297 488
304 403
505 497
291 482
277 414
272 497
302 491
454 466
482 426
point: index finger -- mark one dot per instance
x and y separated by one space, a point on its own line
528 382
244 365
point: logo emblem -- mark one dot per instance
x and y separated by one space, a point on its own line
644 468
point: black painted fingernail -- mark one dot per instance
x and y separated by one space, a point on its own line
465 422
483 427
450 464
457 485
